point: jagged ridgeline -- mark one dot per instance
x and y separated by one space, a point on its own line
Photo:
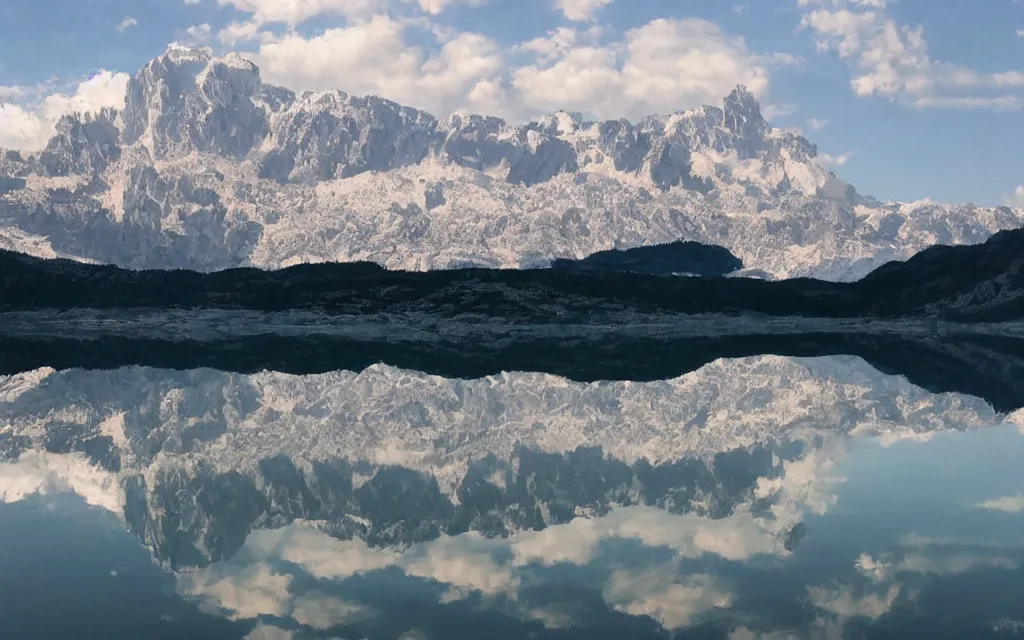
207 168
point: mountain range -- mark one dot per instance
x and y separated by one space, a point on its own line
207 168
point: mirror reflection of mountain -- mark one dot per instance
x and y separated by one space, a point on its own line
989 366
196 460
893 546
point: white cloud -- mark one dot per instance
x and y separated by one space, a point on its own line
663 66
829 160
1017 200
436 7
192 2
126 24
12 92
374 58
29 126
1006 504
296 12
196 34
772 111
238 32
580 10
893 60
817 124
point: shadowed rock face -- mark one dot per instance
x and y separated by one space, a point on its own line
331 177
82 145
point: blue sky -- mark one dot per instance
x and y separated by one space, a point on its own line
908 98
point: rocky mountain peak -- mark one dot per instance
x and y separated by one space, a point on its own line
187 100
743 114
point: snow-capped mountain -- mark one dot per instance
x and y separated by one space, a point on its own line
196 460
207 167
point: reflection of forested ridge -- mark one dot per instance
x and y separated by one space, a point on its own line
987 366
196 516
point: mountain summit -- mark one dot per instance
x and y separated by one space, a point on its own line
207 167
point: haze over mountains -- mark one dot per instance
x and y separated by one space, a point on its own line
208 168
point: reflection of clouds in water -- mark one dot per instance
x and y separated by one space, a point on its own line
844 602
239 592
673 600
247 592
1006 504
736 537
938 560
745 633
471 564
1008 625
321 611
317 553
806 483
269 632
43 473
466 563
257 583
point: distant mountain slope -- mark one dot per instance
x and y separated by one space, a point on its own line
965 283
208 168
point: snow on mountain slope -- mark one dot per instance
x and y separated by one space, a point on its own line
208 168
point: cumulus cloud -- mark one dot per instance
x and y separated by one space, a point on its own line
817 124
293 13
893 60
29 124
374 58
663 66
126 24
580 10
1017 200
829 160
772 111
